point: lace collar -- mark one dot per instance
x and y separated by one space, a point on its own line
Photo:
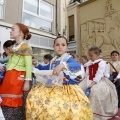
16 47
93 62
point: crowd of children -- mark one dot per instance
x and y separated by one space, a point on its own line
103 95
90 89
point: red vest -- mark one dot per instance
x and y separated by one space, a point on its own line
92 70
85 69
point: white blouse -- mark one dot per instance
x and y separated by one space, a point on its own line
107 71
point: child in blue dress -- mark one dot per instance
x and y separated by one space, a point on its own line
64 102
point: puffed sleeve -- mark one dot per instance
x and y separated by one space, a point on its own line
100 72
43 67
26 51
73 69
107 70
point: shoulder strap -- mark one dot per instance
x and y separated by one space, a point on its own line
17 62
113 67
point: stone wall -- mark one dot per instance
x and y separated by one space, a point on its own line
99 25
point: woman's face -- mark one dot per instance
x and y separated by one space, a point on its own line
114 57
60 46
93 56
15 32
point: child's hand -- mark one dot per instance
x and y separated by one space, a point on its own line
1 69
92 84
65 79
110 79
26 86
57 70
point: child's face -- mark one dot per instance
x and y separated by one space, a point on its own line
4 56
15 32
60 46
46 61
114 57
93 56
9 50
83 60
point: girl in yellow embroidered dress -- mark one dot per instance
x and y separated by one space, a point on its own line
60 103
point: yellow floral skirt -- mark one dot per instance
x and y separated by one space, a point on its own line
58 103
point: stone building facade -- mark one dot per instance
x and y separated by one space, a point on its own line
45 19
97 23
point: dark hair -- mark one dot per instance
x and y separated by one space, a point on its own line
85 57
61 37
33 57
48 56
95 49
24 30
5 54
75 56
8 43
115 52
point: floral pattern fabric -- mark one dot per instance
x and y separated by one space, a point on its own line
58 103
24 50
103 98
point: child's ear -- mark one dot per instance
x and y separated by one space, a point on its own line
20 33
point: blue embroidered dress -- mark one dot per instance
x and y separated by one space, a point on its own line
60 103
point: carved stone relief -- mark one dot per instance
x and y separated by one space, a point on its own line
108 8
117 21
102 32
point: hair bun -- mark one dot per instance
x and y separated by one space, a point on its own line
28 36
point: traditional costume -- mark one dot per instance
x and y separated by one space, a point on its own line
19 68
64 102
103 96
113 69
85 65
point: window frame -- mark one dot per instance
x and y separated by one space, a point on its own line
51 10
38 15
3 9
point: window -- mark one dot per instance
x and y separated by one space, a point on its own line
1 8
31 6
38 14
80 1
45 10
71 28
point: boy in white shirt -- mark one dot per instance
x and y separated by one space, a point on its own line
113 72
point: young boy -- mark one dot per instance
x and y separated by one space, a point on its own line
113 72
